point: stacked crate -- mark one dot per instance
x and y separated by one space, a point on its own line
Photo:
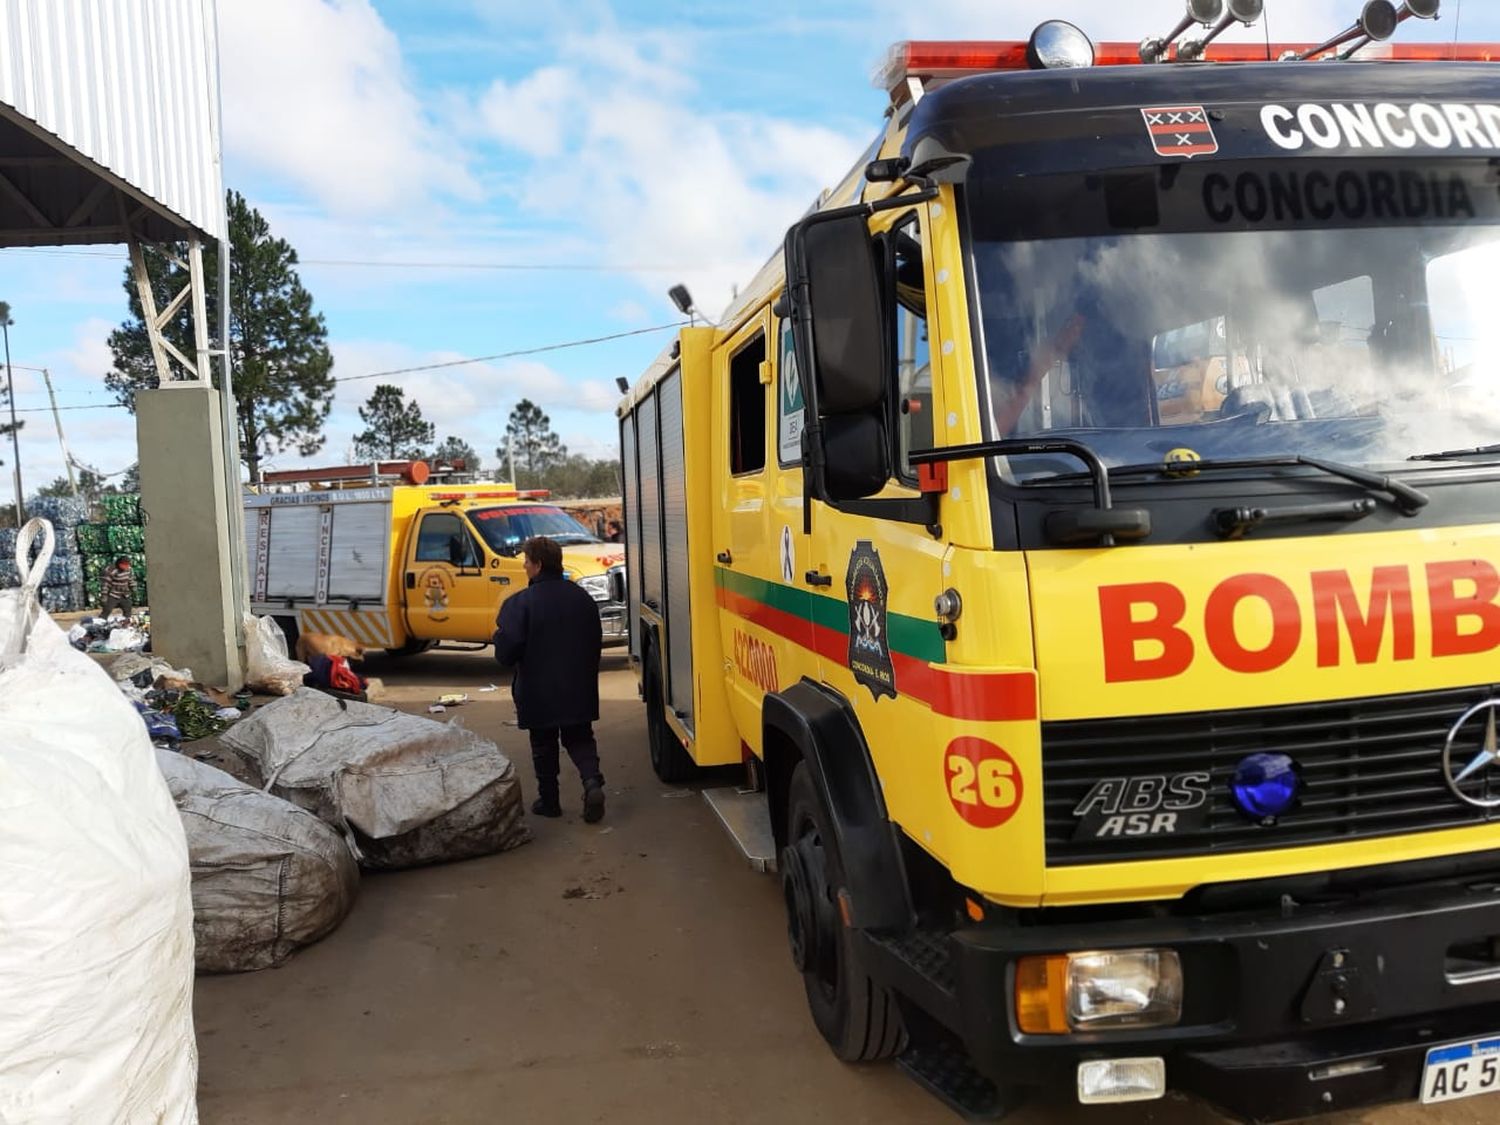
62 584
120 535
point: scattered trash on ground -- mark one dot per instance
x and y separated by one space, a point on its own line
489 687
333 675
404 789
112 634
268 668
436 709
453 699
268 877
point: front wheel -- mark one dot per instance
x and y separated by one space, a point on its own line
853 1012
411 648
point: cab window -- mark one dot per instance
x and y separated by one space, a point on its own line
747 409
443 539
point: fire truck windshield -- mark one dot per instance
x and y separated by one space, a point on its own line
1344 309
505 529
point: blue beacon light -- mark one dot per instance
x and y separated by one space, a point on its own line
1265 786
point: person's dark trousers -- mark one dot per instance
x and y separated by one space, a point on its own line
115 603
581 747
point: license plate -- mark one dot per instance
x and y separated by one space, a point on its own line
1462 1070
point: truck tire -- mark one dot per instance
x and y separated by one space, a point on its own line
410 648
853 1012
669 760
290 631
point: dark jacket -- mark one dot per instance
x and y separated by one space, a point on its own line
550 633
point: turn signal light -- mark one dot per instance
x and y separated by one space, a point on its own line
1042 995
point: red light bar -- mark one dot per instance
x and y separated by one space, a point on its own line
504 494
535 493
960 57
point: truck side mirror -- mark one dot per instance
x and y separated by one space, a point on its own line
839 331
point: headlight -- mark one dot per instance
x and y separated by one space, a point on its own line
597 586
1107 991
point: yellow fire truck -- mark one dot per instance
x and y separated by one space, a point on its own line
395 563
1092 549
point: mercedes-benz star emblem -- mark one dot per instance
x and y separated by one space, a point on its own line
1471 783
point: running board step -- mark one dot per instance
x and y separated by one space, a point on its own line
944 1069
746 818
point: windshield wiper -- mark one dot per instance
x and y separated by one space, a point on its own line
1456 454
1408 499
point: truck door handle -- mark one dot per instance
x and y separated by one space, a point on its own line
813 578
500 579
725 557
411 580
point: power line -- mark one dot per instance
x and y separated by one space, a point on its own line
514 267
521 267
428 366
95 406
510 355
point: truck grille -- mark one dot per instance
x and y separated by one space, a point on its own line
1372 767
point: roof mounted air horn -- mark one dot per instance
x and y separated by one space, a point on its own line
1377 22
1238 11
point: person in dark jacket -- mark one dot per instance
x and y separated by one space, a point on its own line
550 634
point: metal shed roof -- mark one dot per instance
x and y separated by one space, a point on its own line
98 95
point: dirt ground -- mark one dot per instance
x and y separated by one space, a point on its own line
632 972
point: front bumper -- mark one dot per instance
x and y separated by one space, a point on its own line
1286 1013
613 621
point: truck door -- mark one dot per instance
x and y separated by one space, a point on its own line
448 594
757 528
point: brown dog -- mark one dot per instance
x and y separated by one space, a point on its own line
327 644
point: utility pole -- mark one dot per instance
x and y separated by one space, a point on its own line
510 457
62 441
10 393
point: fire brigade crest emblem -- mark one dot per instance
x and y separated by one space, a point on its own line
1181 130
869 643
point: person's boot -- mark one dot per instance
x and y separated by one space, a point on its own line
543 807
593 800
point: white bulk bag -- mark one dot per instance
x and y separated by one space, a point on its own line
96 921
268 877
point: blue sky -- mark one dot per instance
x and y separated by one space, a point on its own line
623 146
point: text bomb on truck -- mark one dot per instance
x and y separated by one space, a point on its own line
381 556
1092 550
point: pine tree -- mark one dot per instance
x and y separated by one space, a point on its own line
456 449
397 430
533 444
282 368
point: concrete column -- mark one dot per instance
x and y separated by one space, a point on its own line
189 561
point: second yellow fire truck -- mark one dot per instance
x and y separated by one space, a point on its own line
1087 531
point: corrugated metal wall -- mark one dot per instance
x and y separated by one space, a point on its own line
130 84
674 518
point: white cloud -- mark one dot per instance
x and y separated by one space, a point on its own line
530 114
657 182
316 92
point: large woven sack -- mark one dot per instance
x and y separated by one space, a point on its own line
268 877
404 789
